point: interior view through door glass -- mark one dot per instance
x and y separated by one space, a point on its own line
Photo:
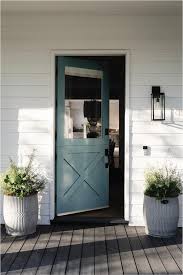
82 103
114 133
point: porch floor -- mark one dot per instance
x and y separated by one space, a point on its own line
111 249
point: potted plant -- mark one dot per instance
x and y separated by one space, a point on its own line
20 186
161 207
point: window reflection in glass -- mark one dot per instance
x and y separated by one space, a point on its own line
82 103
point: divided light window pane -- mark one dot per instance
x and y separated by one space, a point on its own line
82 103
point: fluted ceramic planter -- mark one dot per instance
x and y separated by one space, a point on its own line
20 214
161 217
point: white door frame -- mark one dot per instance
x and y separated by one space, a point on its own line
91 52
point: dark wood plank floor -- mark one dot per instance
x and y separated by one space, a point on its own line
89 250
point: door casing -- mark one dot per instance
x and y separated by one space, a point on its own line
54 53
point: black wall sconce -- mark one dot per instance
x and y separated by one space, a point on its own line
157 104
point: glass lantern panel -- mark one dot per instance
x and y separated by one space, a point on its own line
158 108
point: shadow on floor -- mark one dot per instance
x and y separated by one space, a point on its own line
58 251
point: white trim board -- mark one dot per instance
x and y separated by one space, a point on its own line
84 52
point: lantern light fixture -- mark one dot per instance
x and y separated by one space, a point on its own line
157 104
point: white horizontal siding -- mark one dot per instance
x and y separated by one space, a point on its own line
155 59
137 103
144 91
157 139
36 25
26 61
22 91
41 32
159 151
41 150
172 116
25 126
156 128
28 102
162 55
160 78
145 162
24 79
25 114
26 138
154 68
40 160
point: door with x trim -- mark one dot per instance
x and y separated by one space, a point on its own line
82 122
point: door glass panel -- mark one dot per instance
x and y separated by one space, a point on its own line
82 103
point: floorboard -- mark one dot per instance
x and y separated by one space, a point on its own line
101 264
127 259
73 265
150 252
141 260
5 244
113 256
178 239
87 261
37 253
3 232
166 258
174 251
60 263
23 255
11 254
50 252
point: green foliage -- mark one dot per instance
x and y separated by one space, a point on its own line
21 181
162 183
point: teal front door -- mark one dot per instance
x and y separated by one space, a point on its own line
82 122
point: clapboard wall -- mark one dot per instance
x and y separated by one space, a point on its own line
155 59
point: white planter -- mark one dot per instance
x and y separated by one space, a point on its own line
161 219
20 215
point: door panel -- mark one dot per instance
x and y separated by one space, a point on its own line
81 171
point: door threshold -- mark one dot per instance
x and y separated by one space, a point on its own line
81 211
88 220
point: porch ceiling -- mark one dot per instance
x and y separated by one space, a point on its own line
147 8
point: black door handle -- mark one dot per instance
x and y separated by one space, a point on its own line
107 155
